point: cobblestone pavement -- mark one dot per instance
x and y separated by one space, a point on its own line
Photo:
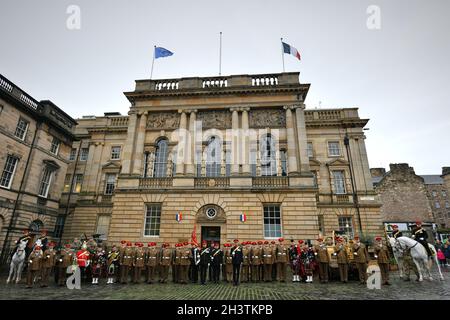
427 290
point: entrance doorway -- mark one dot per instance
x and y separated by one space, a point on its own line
210 235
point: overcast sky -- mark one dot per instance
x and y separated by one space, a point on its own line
398 75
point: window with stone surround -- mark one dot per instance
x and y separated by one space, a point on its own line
437 205
283 158
21 129
321 225
77 183
9 171
444 194
57 232
45 182
315 178
152 219
67 181
160 167
272 221
103 226
346 225
84 154
110 183
213 157
434 193
73 154
334 149
268 160
447 205
339 182
115 152
310 150
54 148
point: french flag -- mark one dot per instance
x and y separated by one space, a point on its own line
243 217
291 50
179 216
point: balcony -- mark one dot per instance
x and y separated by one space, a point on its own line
155 183
212 182
270 182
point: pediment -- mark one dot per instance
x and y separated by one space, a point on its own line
338 162
112 165
314 162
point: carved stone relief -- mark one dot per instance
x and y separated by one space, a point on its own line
217 119
267 118
163 120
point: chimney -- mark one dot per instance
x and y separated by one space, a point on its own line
377 172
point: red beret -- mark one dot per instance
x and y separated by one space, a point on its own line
37 248
272 242
378 238
300 241
254 243
280 239
123 241
266 242
320 239
128 244
235 240
260 242
418 222
67 245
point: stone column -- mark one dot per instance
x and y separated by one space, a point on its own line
302 139
181 149
128 149
93 166
292 146
245 143
140 140
234 142
190 148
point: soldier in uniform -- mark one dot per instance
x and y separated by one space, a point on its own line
396 233
34 265
64 260
205 261
98 264
237 259
273 246
185 262
255 260
383 257
294 251
138 262
44 240
126 261
228 262
26 237
420 235
176 258
152 261
282 257
361 257
342 259
216 261
195 260
113 264
408 265
48 262
245 273
166 260
268 261
83 260
322 257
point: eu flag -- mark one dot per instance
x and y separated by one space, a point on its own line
161 52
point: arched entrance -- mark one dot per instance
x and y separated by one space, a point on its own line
211 221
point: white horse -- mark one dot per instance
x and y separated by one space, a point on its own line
398 255
17 263
419 255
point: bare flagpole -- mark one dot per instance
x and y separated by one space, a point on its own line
153 61
220 53
282 52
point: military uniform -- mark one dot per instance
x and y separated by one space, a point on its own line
237 258
48 262
176 262
113 264
34 265
205 261
282 257
64 260
126 261
408 265
194 260
138 262
256 259
420 235
216 262
342 260
152 260
185 254
165 262
83 260
268 257
323 259
294 258
361 258
245 270
228 262
382 256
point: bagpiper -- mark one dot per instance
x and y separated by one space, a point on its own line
361 258
216 262
65 259
383 257
282 257
205 261
256 259
152 261
420 235
98 264
48 262
322 257
307 258
126 261
166 259
138 261
34 265
342 259
113 264
294 258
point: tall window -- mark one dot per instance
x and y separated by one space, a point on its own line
174 161
54 148
437 205
152 219
283 158
434 193
103 226
272 221
310 150
346 225
447 204
444 194
59 226
321 224
339 182
268 160
213 157
110 183
77 183
228 163
67 180
73 154
115 152
45 182
21 129
146 159
84 154
8 171
160 168
315 178
334 149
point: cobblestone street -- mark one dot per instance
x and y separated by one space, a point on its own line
427 290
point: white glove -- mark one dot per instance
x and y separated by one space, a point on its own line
376 256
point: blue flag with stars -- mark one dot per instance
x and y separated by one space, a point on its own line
161 52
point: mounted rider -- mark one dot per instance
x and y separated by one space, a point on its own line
396 233
420 235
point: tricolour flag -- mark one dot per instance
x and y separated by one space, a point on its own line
161 52
243 217
291 50
178 216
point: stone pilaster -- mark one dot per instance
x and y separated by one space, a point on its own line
292 146
234 142
181 149
302 139
128 149
139 152
245 142
191 145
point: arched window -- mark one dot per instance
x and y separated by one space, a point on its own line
213 157
160 167
268 160
36 226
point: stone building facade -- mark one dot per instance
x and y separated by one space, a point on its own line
36 139
229 157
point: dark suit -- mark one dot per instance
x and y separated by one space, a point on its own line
237 259
205 261
193 272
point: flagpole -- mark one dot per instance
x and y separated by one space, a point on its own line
153 61
282 52
220 53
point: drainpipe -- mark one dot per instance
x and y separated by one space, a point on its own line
3 256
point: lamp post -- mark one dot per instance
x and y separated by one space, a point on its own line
354 191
